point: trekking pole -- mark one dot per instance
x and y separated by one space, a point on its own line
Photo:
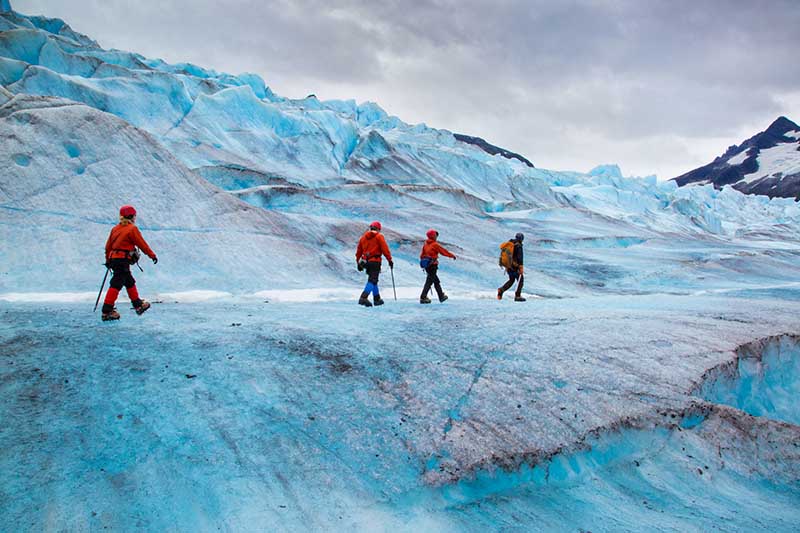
101 291
140 266
391 269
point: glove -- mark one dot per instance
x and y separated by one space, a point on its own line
360 265
454 258
391 263
155 260
521 270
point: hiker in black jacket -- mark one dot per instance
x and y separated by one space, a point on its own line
515 271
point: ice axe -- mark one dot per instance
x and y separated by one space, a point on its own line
101 290
394 290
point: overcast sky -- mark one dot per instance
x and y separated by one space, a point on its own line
659 87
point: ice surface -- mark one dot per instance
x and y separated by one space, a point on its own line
562 414
256 395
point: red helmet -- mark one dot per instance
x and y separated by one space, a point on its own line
127 211
375 225
432 234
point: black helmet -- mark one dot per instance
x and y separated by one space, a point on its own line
520 237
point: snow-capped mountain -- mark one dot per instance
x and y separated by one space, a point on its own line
767 163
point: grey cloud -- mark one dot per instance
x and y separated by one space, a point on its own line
524 74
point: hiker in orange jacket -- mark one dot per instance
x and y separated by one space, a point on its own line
371 247
121 246
429 260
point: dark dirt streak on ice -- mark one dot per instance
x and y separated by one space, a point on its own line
455 411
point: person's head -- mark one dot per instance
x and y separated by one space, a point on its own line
127 213
375 226
432 234
519 237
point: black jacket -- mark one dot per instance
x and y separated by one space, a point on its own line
518 254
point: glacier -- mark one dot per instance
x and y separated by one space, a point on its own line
647 384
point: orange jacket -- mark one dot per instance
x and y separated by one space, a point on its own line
432 249
124 237
372 246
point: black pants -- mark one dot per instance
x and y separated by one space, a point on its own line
373 271
432 279
513 275
122 277
122 274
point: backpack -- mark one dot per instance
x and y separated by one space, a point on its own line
134 256
507 255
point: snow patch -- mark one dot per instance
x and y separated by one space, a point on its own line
48 297
738 159
783 158
192 296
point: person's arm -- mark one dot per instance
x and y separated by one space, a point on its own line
139 241
359 250
108 244
385 250
444 251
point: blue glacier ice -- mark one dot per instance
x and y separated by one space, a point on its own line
764 380
571 414
647 384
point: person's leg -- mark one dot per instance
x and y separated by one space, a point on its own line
437 285
512 277
363 299
374 270
429 279
133 293
114 286
130 287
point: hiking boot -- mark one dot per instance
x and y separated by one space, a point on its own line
519 299
364 301
142 307
499 294
442 298
111 315
378 300
424 300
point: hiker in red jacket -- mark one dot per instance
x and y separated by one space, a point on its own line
371 247
429 260
121 252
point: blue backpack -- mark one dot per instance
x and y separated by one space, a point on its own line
425 262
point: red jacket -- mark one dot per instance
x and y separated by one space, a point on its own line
372 246
124 237
432 249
